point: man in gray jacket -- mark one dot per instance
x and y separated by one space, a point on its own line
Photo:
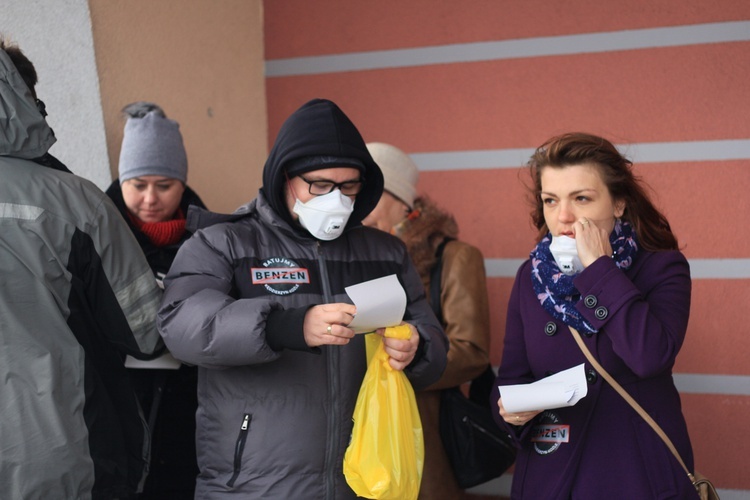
257 300
76 295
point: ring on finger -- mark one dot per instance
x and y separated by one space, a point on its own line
329 329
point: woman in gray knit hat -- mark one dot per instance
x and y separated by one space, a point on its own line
153 197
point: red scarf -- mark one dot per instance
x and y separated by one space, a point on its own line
162 233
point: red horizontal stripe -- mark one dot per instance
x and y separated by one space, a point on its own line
493 213
296 28
630 96
716 342
721 444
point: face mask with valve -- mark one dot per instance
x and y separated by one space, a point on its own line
565 253
325 216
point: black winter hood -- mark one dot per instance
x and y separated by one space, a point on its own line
320 128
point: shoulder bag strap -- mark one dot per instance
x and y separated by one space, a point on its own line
632 402
435 278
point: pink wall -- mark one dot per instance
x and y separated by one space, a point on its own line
661 93
202 62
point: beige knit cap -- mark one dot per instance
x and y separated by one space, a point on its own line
399 171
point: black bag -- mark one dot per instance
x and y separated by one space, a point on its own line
478 450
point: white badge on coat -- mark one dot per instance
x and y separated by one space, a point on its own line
280 275
548 433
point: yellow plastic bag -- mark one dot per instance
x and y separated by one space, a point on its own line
386 453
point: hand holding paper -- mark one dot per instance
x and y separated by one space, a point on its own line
562 389
380 303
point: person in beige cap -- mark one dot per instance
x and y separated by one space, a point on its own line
427 232
401 175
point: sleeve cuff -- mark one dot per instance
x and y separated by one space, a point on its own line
284 330
419 354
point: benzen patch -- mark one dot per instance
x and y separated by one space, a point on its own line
280 275
549 433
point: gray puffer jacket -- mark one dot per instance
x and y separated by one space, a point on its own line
275 416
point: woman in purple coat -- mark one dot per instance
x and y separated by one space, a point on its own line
626 288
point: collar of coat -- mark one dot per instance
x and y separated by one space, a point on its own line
424 234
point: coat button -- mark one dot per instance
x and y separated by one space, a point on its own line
592 376
550 328
590 301
601 312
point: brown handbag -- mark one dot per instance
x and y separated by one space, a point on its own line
703 485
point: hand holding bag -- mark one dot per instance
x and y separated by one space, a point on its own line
703 486
385 456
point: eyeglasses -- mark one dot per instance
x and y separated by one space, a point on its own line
321 187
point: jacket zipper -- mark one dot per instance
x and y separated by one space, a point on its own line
239 447
333 386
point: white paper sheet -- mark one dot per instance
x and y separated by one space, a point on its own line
565 388
380 303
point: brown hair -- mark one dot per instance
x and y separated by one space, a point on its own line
578 148
21 62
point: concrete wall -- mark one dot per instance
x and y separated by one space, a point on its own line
56 37
470 88
201 60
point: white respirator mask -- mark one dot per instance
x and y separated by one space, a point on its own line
325 216
563 249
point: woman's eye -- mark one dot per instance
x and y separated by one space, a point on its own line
548 201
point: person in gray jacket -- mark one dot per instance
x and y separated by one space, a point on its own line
77 295
256 299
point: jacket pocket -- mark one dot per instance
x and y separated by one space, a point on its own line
239 447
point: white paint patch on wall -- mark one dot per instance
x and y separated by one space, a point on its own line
584 43
56 36
710 269
663 152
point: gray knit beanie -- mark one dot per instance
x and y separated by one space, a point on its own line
399 171
151 145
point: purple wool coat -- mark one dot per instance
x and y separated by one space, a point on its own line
601 448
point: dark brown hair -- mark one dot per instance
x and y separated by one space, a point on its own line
578 148
21 62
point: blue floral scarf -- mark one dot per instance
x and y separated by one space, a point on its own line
556 291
